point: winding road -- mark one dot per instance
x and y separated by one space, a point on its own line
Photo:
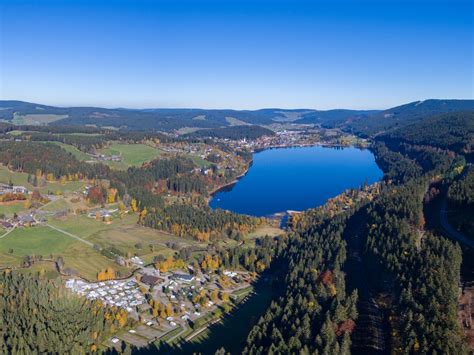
450 230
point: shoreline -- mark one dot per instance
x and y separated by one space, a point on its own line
233 182
259 150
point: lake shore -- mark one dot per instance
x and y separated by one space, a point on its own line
293 180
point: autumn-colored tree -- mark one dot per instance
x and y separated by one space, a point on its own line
111 194
133 205
215 296
143 214
169 310
225 297
121 207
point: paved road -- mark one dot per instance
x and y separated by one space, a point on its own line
450 230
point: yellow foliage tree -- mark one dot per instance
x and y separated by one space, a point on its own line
134 205
111 194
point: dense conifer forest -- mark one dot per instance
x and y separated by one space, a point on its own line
39 316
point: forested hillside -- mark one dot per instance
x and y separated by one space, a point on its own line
412 273
234 133
334 118
39 316
404 115
315 314
453 131
19 112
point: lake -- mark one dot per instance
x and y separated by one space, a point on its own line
297 179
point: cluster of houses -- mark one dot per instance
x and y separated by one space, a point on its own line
124 294
103 157
20 220
101 213
12 189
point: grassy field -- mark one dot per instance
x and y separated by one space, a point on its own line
123 235
45 241
236 122
15 133
186 130
36 119
266 230
200 161
18 178
10 208
132 154
58 205
46 267
39 240
74 151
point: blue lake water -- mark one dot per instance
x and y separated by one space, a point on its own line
297 179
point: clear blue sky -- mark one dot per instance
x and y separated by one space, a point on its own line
236 54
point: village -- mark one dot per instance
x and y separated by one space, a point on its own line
284 138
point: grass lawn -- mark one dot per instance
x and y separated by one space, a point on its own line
132 154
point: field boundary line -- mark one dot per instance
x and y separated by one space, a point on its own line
71 235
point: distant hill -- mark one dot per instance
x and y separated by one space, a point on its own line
234 133
19 112
333 118
404 115
26 113
368 122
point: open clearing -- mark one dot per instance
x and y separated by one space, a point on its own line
35 241
132 154
266 230
36 119
9 208
17 178
45 241
79 155
123 234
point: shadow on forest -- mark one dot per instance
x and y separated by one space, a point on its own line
231 332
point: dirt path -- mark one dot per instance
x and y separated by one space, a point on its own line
8 232
70 235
